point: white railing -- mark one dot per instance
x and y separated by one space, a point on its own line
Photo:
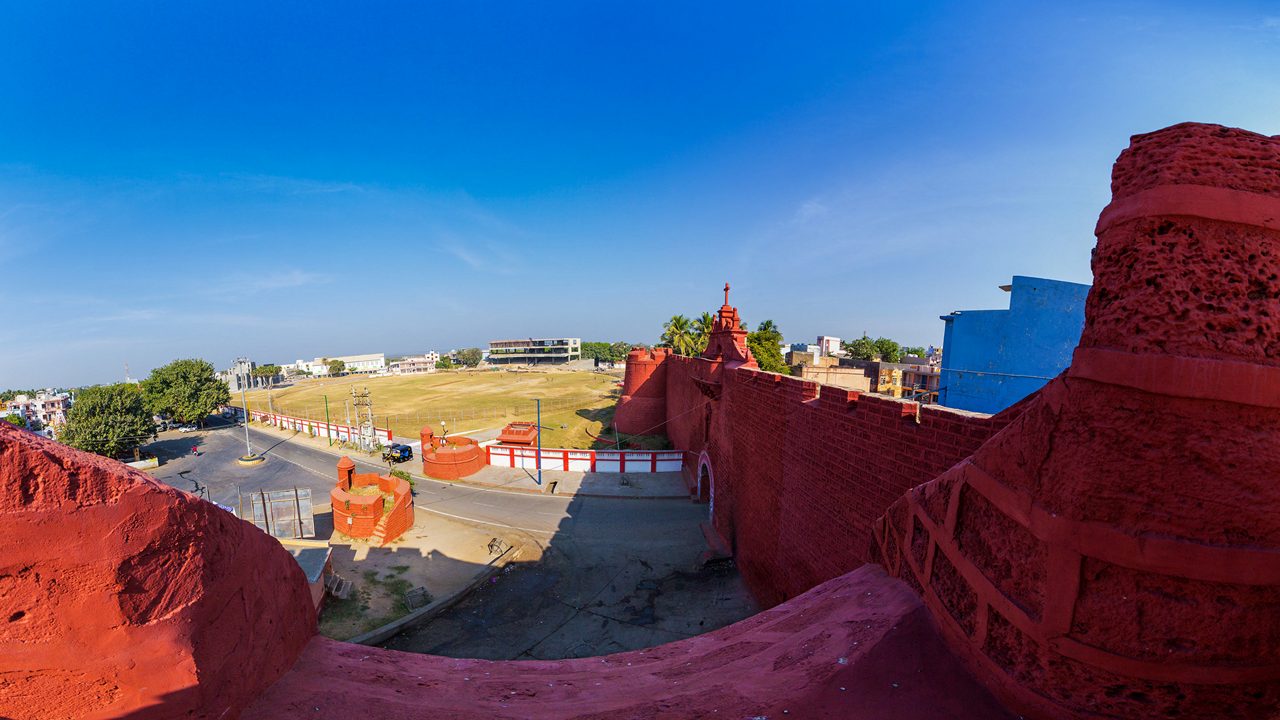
315 427
631 461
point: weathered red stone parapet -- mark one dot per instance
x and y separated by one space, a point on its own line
367 516
1115 551
451 458
642 409
123 597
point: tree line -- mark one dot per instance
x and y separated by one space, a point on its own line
114 420
607 352
882 348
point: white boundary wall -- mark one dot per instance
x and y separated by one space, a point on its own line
317 428
631 461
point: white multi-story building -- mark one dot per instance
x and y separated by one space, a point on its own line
415 364
533 351
48 408
829 345
369 363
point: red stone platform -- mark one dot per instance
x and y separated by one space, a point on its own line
855 648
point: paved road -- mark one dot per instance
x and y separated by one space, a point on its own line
291 464
597 575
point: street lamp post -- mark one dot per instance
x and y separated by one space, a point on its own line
248 449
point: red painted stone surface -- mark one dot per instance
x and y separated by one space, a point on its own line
802 471
1115 551
856 648
519 433
124 598
451 458
366 516
642 409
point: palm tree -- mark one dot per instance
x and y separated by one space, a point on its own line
678 333
702 331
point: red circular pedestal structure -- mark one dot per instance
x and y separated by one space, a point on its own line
451 458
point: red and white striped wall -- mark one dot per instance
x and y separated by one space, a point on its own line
314 427
631 461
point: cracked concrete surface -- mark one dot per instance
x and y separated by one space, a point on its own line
587 597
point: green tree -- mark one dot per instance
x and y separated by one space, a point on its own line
677 334
267 372
109 420
596 351
187 390
618 351
888 350
702 331
15 419
915 350
444 363
766 346
337 367
470 357
863 348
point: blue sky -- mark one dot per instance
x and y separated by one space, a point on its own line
290 180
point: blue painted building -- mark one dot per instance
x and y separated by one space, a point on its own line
991 359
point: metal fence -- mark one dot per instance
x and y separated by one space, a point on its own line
280 513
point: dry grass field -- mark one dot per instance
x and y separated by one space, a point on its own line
573 403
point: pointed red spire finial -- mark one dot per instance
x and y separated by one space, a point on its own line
726 293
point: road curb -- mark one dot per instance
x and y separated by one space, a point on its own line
500 488
269 430
422 614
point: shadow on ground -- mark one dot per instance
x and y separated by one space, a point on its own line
604 583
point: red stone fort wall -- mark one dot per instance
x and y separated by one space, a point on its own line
1110 547
803 471
1111 544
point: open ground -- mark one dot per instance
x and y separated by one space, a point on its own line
576 405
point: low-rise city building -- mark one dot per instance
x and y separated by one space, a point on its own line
829 345
46 409
535 351
415 364
862 377
368 363
914 380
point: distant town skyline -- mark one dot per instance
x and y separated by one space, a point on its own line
281 183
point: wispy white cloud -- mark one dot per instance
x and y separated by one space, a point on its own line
270 281
283 185
809 210
484 255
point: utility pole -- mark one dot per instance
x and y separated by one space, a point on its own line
328 431
248 449
539 456
361 399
